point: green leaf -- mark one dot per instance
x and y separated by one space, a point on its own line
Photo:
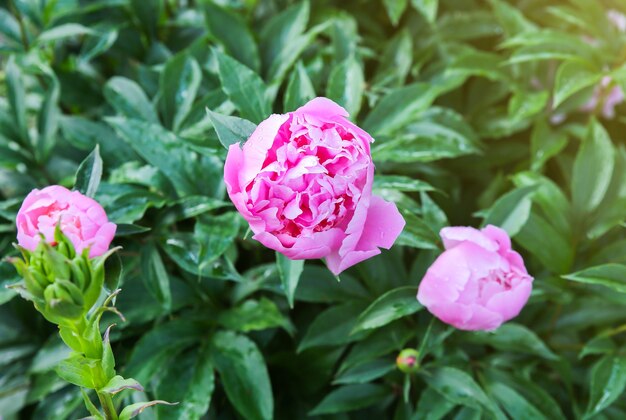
399 107
530 389
332 327
346 85
350 398
49 355
394 304
401 183
289 272
129 99
190 380
16 94
89 174
93 410
513 403
128 229
395 64
134 410
97 45
612 276
432 405
365 372
158 345
215 234
230 130
281 31
428 8
289 55
155 276
118 384
596 156
417 233
48 117
107 358
512 210
524 105
459 388
541 239
515 338
254 315
113 270
148 14
440 133
167 152
233 33
571 78
299 89
395 9
244 374
178 86
244 88
76 370
608 381
65 30
545 144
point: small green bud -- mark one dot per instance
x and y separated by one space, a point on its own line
408 361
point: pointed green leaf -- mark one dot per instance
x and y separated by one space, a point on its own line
89 174
129 99
394 304
289 272
244 375
612 276
299 89
230 130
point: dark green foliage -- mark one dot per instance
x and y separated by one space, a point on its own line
477 110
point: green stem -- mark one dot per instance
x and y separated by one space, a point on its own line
97 372
107 405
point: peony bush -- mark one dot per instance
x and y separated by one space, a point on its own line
289 209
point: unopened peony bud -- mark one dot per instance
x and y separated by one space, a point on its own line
408 361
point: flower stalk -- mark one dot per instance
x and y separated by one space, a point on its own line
66 288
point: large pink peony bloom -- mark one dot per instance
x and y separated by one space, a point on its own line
303 181
479 282
82 220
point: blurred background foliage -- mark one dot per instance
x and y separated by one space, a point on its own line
491 111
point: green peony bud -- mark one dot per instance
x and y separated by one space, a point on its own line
61 283
408 361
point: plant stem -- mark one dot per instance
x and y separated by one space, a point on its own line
107 405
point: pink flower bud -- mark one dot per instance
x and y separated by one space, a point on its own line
479 282
81 219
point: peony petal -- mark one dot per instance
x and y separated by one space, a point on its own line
453 236
382 227
445 279
317 246
482 320
510 303
256 148
232 168
499 235
337 263
322 108
102 240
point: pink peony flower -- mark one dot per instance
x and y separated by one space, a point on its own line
479 282
82 220
303 181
